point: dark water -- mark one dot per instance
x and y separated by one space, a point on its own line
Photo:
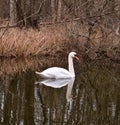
93 98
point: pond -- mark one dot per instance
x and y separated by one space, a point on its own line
92 98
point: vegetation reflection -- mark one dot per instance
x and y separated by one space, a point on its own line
93 98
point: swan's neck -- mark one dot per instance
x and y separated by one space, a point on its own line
70 65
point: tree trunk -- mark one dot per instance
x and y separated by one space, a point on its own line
34 19
13 14
0 8
53 10
59 10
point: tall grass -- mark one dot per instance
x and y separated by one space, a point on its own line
25 43
49 40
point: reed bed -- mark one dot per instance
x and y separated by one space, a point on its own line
50 40
25 43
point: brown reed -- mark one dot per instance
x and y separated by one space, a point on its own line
49 40
25 43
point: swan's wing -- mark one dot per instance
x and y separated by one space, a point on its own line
55 72
45 75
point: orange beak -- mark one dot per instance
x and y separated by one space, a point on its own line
76 57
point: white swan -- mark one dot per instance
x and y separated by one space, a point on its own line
59 83
56 72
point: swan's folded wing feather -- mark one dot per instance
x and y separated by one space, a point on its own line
55 72
45 75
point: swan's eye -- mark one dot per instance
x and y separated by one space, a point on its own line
75 56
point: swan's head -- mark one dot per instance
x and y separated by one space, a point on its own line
73 55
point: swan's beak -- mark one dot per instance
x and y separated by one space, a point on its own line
76 57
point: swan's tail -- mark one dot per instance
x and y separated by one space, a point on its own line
42 75
38 73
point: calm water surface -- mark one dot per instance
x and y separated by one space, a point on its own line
92 98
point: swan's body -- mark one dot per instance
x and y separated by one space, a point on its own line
56 72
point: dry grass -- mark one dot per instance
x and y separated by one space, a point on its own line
25 43
49 40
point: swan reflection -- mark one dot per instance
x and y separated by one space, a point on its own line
69 90
59 83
